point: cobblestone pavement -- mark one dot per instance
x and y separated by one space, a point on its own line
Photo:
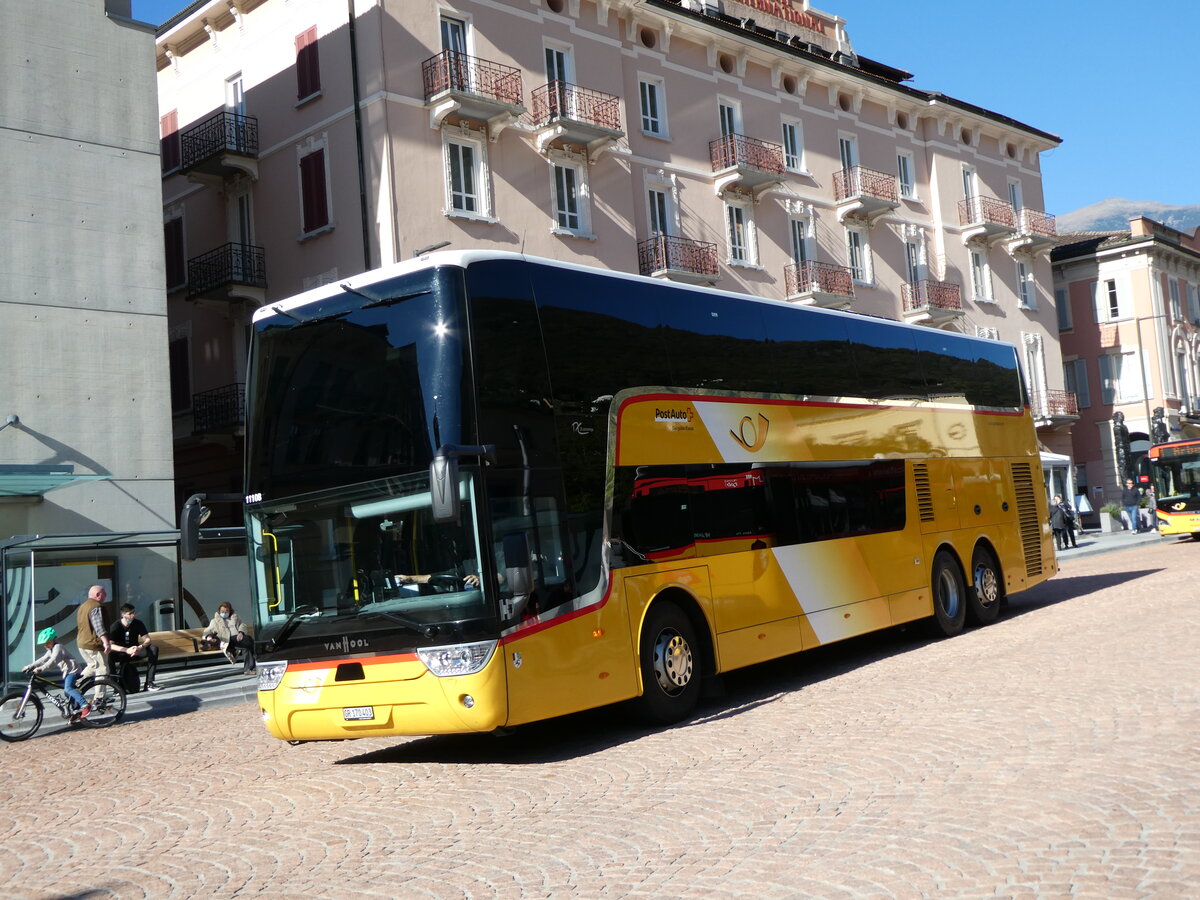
1053 754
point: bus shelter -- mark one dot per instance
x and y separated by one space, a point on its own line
44 579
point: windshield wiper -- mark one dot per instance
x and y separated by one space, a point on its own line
292 623
376 300
421 628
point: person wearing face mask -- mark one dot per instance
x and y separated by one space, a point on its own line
233 634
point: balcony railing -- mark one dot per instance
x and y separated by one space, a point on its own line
928 295
664 254
561 100
229 265
737 150
1055 404
986 211
811 277
220 409
1036 222
858 181
457 72
225 133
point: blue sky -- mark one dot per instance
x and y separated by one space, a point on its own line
1116 81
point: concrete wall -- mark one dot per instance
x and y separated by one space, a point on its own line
82 300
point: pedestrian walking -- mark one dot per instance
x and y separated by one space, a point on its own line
91 635
1130 498
1058 522
1070 520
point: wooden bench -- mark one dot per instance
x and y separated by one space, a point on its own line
181 645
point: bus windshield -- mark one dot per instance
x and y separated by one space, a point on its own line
370 561
1177 478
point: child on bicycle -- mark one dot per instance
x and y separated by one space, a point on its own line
58 655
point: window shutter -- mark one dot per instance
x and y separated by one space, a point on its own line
1083 393
1107 390
308 65
168 130
1097 299
312 190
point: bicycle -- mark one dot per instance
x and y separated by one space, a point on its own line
21 710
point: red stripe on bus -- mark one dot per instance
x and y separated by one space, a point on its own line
364 660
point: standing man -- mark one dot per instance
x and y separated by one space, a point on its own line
1129 500
91 636
130 641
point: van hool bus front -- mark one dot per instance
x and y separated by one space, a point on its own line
370 598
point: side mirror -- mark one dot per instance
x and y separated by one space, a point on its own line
190 519
443 489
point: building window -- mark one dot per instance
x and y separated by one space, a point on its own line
1193 302
308 65
179 361
568 198
1075 378
1014 195
1176 306
654 110
981 278
912 260
466 177
799 231
730 117
793 146
1120 378
314 191
176 258
1026 295
738 232
168 132
1063 307
660 222
859 254
983 331
904 172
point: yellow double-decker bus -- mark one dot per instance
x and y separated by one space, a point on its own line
485 489
1175 468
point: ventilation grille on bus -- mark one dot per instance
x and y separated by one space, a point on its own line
1027 518
924 494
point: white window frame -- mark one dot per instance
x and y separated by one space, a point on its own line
847 150
906 166
1026 289
914 263
1176 305
1181 371
981 278
1117 382
741 249
860 268
658 182
1193 302
1110 300
578 172
734 124
653 125
1016 196
988 332
793 156
800 234
481 194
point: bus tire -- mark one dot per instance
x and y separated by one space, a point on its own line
987 590
670 663
949 595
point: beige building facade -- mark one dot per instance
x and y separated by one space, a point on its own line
1129 311
740 144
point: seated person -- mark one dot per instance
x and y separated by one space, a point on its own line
468 580
232 634
130 641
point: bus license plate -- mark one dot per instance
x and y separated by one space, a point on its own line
357 713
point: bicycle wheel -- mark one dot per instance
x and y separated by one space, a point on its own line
107 709
18 722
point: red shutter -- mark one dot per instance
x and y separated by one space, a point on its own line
308 64
176 265
168 132
313 192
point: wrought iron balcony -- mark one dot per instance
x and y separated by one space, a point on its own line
230 272
745 162
931 302
570 114
221 410
475 89
678 259
819 284
986 217
1056 406
1035 231
859 191
223 145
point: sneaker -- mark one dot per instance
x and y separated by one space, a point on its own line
154 687
85 712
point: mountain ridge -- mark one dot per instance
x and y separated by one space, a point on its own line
1114 213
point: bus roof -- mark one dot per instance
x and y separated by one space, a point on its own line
464 258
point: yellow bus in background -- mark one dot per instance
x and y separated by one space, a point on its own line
485 489
1175 470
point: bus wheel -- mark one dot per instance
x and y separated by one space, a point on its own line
670 666
985 596
949 595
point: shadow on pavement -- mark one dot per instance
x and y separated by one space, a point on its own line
1069 587
163 709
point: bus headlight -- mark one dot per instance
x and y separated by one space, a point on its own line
457 659
270 674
